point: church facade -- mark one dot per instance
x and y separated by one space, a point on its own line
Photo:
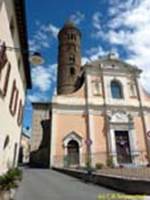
100 115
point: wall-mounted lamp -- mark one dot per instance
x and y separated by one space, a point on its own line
35 58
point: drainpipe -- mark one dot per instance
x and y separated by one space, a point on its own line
106 123
87 121
142 115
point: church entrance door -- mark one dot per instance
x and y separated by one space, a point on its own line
73 153
123 147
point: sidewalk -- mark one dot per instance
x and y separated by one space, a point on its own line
140 173
125 180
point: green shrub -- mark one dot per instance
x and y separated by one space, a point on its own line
99 165
9 180
110 162
16 173
66 161
88 164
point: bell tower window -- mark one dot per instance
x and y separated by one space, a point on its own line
71 36
72 71
71 59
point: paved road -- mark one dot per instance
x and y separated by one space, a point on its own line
51 185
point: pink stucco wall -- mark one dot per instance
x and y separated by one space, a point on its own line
66 123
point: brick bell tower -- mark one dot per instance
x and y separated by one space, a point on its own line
69 58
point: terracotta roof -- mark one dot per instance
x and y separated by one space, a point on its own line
68 26
19 6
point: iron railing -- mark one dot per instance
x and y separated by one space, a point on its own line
103 159
102 163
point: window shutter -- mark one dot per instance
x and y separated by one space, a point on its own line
3 56
20 113
5 80
13 99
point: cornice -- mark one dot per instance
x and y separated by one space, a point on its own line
97 109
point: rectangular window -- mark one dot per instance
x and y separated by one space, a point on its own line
19 63
71 59
72 71
13 99
15 154
12 27
132 90
3 56
96 88
4 80
20 113
1 1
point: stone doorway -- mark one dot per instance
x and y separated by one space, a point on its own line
123 147
73 153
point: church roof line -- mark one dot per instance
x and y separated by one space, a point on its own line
107 58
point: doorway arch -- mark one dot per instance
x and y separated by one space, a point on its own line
73 152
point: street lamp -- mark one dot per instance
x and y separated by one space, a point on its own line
35 58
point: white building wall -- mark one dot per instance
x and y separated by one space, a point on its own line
8 123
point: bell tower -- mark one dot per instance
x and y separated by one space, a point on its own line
69 58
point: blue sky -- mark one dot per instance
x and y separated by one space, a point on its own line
106 25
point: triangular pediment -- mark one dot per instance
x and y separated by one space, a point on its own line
108 63
73 135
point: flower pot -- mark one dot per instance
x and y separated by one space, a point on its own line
12 193
5 195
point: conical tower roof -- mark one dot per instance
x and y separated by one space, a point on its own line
69 25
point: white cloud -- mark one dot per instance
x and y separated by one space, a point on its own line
50 29
36 97
77 18
27 131
129 27
97 24
43 36
97 21
43 77
84 60
95 52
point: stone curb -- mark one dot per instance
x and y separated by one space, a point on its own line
126 185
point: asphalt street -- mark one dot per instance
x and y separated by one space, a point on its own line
40 184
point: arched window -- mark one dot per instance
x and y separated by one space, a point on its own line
116 90
71 59
72 71
13 99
